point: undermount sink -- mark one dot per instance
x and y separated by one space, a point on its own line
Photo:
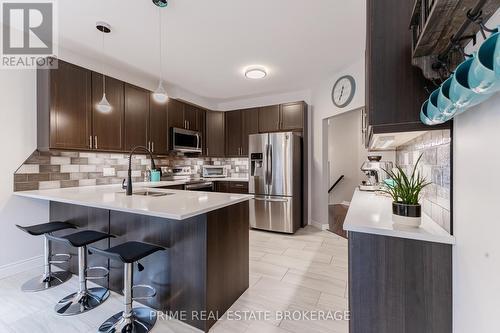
150 193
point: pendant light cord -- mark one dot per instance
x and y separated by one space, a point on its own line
161 49
103 76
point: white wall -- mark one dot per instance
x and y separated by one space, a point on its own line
322 108
476 219
18 141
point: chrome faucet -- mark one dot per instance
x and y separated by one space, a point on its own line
128 187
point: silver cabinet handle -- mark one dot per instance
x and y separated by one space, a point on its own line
95 144
90 142
152 146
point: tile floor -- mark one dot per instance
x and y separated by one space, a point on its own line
288 275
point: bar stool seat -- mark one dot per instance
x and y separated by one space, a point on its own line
136 320
45 228
49 279
84 299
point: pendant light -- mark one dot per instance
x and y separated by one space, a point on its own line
103 105
160 94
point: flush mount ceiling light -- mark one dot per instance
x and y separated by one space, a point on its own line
160 95
103 105
255 72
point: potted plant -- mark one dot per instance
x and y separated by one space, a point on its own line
405 192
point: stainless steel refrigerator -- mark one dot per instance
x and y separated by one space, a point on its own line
276 181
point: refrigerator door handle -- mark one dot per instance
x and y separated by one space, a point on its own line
271 162
266 173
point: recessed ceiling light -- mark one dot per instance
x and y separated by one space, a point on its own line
255 73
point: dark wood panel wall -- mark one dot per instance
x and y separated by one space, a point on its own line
399 285
205 266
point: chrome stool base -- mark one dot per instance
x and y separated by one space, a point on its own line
141 320
81 302
40 283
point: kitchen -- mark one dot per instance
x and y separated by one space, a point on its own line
188 168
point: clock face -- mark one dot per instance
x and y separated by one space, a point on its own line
343 91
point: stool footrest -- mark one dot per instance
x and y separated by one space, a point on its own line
143 286
55 260
96 268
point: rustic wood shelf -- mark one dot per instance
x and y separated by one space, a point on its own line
445 19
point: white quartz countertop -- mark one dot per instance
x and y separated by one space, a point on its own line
371 213
179 205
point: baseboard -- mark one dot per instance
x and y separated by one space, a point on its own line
21 266
319 225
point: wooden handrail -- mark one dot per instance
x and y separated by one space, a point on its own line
335 184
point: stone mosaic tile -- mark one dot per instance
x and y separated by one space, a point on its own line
56 169
435 167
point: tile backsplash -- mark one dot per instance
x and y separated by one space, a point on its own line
59 169
435 166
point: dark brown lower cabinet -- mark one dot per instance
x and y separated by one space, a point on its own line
231 187
203 271
399 285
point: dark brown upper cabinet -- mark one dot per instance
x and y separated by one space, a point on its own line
292 116
215 134
249 125
158 127
283 117
269 118
175 114
64 105
395 90
239 125
194 117
136 116
233 133
107 127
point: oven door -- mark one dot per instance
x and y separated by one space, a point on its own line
186 141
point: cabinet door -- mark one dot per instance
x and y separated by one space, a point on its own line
388 60
107 127
215 133
70 107
192 116
249 125
238 187
222 186
175 114
158 127
292 116
136 116
269 118
233 133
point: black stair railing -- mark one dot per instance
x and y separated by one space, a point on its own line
335 184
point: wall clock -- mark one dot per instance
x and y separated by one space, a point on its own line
343 91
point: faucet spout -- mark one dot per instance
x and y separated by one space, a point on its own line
128 187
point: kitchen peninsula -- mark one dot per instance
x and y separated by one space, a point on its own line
206 265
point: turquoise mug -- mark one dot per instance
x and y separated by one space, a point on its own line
423 115
483 76
444 104
155 175
433 112
461 95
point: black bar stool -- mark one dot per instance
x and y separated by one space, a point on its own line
84 299
136 320
49 279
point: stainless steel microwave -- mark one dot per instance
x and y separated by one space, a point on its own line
186 141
